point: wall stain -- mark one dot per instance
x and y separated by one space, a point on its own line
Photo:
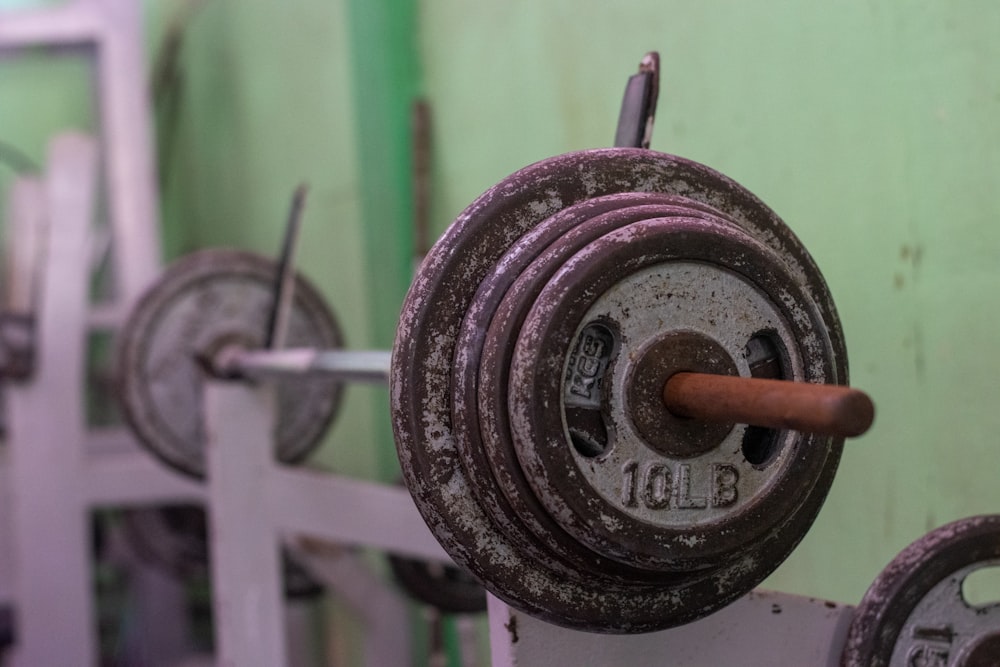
919 354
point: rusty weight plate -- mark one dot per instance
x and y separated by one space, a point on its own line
629 598
426 345
481 361
680 294
915 612
447 588
203 302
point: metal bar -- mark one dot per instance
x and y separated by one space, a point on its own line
71 23
635 120
350 512
134 477
114 29
284 286
25 245
349 366
382 610
245 567
762 629
811 408
46 430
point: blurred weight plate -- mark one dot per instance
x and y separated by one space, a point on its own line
915 614
202 303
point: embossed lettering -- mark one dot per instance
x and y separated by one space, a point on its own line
683 488
587 367
656 490
629 479
660 486
925 655
724 479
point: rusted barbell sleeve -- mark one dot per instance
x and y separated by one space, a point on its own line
811 408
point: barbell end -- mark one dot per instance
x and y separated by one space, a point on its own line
829 410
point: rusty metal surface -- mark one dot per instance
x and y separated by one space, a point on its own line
423 391
915 613
811 408
674 352
204 302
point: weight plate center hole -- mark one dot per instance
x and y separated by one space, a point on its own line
768 360
984 652
981 589
219 357
583 392
661 430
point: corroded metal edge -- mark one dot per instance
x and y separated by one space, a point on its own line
898 589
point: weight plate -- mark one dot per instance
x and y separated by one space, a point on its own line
203 302
663 287
174 538
484 352
422 383
447 588
915 612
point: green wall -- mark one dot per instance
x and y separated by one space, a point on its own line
871 128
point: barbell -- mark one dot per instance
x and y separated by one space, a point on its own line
616 384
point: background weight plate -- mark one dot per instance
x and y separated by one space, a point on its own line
174 538
915 613
447 588
202 302
424 352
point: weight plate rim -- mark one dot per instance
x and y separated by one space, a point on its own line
431 316
413 577
905 581
192 269
566 298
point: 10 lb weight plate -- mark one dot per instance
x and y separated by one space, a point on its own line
663 288
204 302
521 388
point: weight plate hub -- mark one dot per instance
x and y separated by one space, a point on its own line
204 302
915 612
483 304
